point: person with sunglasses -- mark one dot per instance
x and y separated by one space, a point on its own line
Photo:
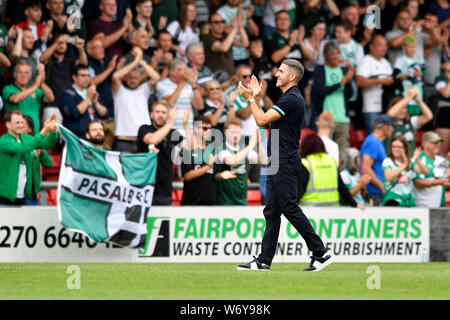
218 44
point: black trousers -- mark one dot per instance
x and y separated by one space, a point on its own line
281 198
7 202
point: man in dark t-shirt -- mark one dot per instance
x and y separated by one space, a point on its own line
285 119
161 137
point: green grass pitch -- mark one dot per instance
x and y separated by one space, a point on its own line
221 281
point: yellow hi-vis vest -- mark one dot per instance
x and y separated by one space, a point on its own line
322 189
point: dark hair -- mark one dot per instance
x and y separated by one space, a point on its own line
33 4
182 16
8 115
347 25
88 125
30 123
316 22
163 31
405 144
202 118
282 11
329 47
311 144
79 67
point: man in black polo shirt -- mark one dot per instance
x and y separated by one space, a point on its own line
286 117
164 138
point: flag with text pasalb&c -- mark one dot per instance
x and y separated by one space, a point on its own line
105 194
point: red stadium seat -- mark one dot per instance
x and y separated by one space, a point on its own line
447 199
357 137
419 134
52 197
52 173
2 126
177 195
253 197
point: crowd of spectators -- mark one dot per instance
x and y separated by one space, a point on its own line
161 76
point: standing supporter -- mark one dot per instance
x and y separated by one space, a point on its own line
442 114
198 167
163 53
429 189
271 8
261 66
180 90
399 170
332 84
325 124
217 43
139 39
232 9
164 12
16 157
372 157
439 35
195 54
350 176
351 55
215 108
144 9
373 72
284 43
61 23
131 101
202 17
59 67
24 97
233 158
161 135
41 32
22 51
110 32
405 124
4 61
405 27
311 10
410 69
81 103
95 133
92 9
184 31
100 72
39 157
319 182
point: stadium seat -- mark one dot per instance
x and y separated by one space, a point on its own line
2 126
253 197
52 173
52 197
177 195
357 137
419 134
447 199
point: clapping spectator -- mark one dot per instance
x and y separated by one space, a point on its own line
429 189
163 53
410 69
399 170
195 54
144 9
180 89
215 108
25 97
373 72
405 123
110 32
22 49
81 103
332 84
131 101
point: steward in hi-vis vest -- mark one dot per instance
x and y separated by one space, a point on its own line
322 188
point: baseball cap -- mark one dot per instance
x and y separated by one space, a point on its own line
384 120
431 136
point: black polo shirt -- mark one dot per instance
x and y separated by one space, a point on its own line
291 107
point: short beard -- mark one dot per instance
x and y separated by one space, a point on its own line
97 141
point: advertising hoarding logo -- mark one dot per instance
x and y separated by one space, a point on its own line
158 234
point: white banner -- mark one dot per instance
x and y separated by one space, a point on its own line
222 234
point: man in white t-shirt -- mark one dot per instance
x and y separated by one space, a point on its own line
131 101
372 73
325 124
429 190
180 90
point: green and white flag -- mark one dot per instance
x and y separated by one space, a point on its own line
105 194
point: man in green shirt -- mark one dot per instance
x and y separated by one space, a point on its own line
16 157
27 99
232 158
